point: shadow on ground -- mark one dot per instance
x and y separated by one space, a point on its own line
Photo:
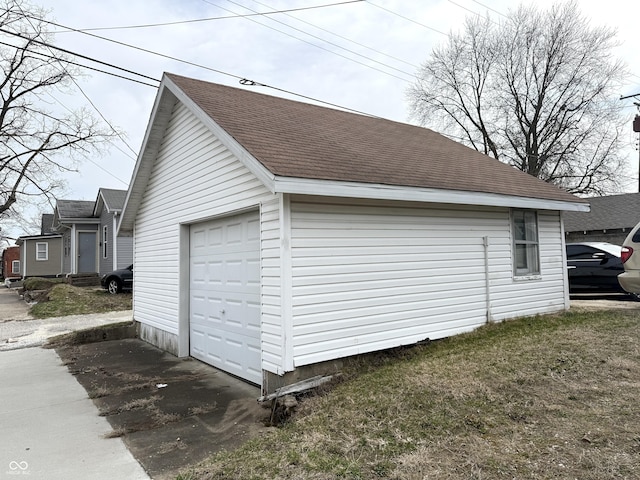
171 413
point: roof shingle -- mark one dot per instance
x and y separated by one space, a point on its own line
114 199
75 208
607 213
294 139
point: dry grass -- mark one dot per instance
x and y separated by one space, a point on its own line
536 398
64 299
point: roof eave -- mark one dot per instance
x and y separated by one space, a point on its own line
168 94
330 188
22 238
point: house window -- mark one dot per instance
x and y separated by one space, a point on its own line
525 242
105 242
15 266
42 251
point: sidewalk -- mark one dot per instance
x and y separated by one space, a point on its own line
12 307
50 428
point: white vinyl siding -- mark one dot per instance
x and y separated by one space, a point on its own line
372 277
194 178
272 290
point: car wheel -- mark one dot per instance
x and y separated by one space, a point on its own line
635 296
114 286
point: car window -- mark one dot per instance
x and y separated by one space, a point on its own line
575 252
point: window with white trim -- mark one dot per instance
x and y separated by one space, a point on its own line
526 251
105 242
15 266
42 251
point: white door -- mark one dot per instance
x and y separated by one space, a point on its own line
225 294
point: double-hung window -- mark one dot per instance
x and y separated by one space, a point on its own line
15 266
524 224
42 251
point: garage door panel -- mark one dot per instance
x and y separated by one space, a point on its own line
225 295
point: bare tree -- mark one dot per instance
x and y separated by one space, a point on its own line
38 142
537 90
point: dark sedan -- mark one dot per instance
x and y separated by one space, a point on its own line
118 280
594 267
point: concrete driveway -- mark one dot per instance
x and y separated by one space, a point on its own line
152 414
12 307
19 330
612 301
50 428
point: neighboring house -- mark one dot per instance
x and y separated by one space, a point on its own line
115 251
75 221
11 262
610 220
273 237
41 255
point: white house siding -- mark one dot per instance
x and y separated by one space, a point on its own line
369 277
194 178
511 298
271 293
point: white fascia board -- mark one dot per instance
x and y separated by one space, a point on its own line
249 161
329 188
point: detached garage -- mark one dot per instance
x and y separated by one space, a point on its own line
274 238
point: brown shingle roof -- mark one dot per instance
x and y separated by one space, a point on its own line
294 139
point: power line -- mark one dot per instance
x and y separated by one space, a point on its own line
340 36
70 62
489 8
243 80
32 40
405 18
320 46
181 22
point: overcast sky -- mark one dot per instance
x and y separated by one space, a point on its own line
361 55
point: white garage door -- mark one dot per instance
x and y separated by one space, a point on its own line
225 294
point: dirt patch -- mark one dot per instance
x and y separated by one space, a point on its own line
170 412
63 299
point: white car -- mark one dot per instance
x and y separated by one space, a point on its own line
630 256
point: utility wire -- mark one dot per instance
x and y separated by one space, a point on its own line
242 80
118 134
321 39
489 8
320 46
406 18
341 36
32 40
164 24
70 62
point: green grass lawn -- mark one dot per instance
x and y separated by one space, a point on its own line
535 398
